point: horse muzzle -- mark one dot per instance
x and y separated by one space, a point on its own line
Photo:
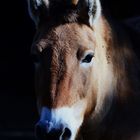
59 124
50 131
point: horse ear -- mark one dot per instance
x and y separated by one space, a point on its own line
37 9
89 10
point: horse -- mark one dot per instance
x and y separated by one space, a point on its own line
86 73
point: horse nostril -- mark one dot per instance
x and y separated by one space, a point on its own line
66 133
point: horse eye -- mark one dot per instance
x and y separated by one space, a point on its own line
88 58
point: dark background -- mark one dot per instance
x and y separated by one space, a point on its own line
18 112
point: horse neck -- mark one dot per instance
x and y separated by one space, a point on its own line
126 67
126 72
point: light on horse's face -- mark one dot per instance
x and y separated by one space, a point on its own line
64 76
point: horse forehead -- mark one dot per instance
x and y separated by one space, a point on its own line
65 37
74 31
70 33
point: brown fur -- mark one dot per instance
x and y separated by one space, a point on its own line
60 81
